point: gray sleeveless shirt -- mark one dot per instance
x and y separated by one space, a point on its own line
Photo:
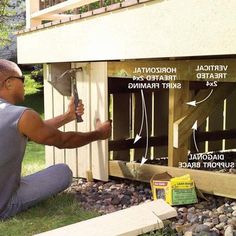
12 149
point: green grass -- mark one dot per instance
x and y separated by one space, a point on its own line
50 214
55 212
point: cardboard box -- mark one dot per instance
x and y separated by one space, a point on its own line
175 191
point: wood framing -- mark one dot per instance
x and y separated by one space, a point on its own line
210 182
177 109
185 69
183 126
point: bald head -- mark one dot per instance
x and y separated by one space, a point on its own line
8 68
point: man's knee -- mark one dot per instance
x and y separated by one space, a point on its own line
65 174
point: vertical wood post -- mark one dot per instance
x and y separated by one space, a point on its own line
32 6
48 111
99 109
177 109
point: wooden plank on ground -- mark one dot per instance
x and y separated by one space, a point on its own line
99 109
132 221
183 126
48 112
210 182
177 109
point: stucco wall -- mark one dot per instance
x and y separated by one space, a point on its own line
156 29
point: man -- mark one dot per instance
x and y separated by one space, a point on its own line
17 124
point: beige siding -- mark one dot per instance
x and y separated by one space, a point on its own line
99 109
92 89
48 112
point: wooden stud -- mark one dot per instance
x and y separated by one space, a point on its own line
216 123
121 120
161 110
177 109
230 118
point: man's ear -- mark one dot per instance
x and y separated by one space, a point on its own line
8 84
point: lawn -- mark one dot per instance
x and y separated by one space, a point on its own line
55 212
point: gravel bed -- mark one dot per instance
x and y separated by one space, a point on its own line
210 217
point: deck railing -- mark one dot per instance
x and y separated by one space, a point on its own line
95 5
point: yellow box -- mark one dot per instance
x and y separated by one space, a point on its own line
175 191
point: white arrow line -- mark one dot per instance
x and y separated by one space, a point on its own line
194 128
194 103
138 136
144 159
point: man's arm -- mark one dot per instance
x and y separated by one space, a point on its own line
32 126
69 116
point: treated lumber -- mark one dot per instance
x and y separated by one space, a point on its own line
132 221
216 135
230 119
177 109
183 126
185 68
59 8
120 118
220 184
116 145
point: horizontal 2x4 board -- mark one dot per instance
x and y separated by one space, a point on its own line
99 109
132 221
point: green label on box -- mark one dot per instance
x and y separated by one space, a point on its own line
183 196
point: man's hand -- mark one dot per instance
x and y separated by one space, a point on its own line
71 112
104 129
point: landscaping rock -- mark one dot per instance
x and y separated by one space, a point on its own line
202 228
214 217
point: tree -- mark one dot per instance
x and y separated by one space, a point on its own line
10 12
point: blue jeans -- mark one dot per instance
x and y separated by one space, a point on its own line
37 187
